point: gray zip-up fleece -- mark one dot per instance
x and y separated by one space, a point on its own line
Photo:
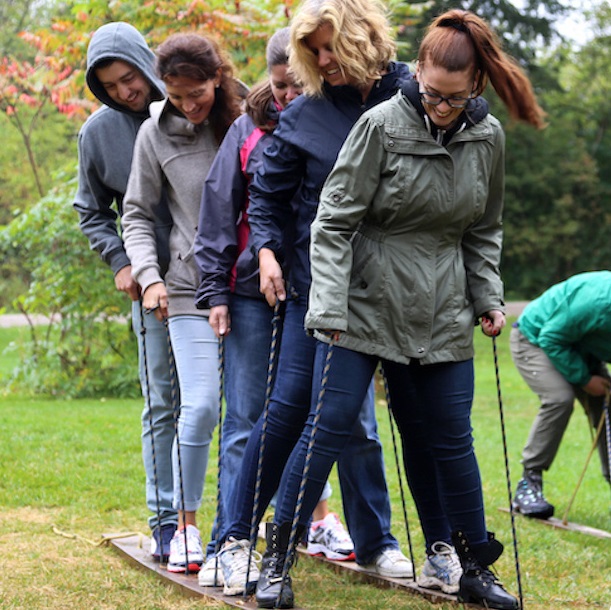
105 147
172 152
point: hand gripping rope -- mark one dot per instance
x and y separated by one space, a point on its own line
176 408
507 474
399 471
306 469
271 370
149 409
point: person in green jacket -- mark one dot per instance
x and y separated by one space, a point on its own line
560 345
405 251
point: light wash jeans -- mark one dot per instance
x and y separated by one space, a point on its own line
156 444
196 354
247 349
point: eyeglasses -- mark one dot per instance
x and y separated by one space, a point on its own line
434 99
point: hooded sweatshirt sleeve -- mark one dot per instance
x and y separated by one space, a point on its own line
144 190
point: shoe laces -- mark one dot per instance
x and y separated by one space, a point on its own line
445 557
240 553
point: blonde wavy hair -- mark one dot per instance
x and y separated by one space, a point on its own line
361 40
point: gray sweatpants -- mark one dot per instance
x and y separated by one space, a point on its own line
557 398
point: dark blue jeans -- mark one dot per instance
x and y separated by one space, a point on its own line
360 467
432 407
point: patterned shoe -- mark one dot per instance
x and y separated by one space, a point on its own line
442 569
193 557
328 537
529 499
234 561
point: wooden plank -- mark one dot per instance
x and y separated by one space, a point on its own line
187 584
405 584
568 526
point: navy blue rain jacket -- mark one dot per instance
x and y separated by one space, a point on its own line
303 150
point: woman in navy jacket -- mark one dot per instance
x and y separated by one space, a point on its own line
302 152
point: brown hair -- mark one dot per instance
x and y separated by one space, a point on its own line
458 40
200 58
261 96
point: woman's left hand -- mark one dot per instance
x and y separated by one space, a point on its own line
493 322
155 300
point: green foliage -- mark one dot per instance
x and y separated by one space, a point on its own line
86 350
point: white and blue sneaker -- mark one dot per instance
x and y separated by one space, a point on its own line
234 559
442 569
211 574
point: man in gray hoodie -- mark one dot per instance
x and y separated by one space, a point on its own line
120 73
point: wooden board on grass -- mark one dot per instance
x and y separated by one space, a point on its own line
569 526
405 584
187 584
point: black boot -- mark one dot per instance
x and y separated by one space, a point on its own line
270 583
478 585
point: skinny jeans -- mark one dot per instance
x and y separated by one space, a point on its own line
247 352
195 348
432 407
360 467
158 428
557 397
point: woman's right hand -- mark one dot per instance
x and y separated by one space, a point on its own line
220 320
271 282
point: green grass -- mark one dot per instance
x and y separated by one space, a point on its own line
76 465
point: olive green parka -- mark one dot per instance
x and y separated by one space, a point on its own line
406 245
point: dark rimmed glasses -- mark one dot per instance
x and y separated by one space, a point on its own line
434 99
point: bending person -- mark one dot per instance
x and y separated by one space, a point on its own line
560 345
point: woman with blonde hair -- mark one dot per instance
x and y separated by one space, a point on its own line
405 257
342 53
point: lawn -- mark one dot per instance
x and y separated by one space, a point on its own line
75 466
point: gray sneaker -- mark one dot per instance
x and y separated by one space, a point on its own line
529 499
233 560
391 563
211 574
442 569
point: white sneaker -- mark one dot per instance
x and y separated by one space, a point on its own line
211 574
441 570
178 557
234 560
391 563
328 537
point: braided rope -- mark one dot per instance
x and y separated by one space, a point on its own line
151 426
507 473
306 470
608 429
271 367
219 499
399 474
176 407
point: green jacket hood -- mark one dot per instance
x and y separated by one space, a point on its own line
120 40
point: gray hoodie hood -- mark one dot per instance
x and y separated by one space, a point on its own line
120 40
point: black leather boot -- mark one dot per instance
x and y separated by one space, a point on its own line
478 585
271 592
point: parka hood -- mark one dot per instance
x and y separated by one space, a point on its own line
120 40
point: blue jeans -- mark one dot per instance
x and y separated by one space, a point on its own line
247 349
432 407
360 467
195 350
159 410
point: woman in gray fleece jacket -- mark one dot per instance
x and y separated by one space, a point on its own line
173 152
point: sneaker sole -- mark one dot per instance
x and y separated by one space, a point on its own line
232 591
319 550
176 569
409 573
429 582
544 514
